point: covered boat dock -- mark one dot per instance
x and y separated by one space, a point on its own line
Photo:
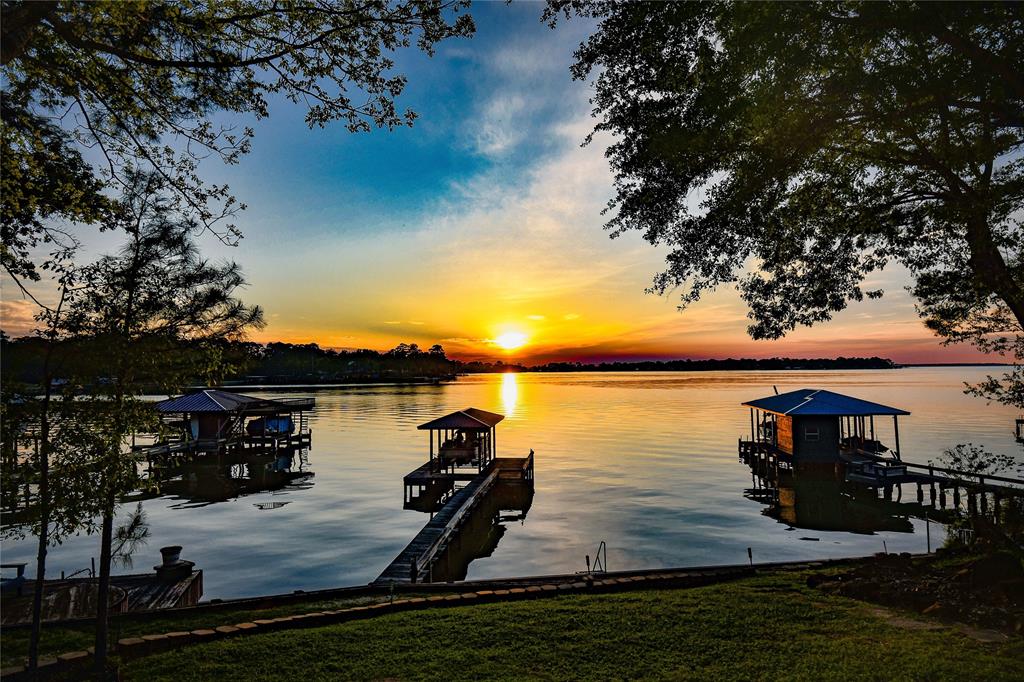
815 425
466 436
212 421
462 449
819 427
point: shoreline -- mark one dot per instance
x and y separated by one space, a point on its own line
369 589
731 598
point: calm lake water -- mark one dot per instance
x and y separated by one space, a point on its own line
644 461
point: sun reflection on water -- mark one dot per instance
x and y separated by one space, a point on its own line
509 392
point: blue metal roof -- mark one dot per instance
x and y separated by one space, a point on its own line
818 402
208 400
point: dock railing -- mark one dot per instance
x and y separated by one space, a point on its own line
884 469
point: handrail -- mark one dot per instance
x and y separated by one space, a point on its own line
600 565
425 559
988 477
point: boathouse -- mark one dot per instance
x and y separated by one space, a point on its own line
815 425
211 419
463 437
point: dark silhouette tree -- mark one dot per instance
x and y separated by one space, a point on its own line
795 148
150 316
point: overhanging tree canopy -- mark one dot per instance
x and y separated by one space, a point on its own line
827 140
134 84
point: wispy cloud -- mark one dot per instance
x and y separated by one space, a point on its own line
17 316
498 125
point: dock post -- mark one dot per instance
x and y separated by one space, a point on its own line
928 532
412 571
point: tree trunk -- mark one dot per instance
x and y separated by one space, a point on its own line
44 507
103 589
44 528
990 268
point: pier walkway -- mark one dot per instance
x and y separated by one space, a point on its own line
886 474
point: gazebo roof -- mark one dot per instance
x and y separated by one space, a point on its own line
821 403
210 400
469 419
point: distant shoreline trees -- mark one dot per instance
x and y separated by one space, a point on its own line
278 363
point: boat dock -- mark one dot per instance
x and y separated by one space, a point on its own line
175 583
879 473
414 564
814 428
212 421
462 450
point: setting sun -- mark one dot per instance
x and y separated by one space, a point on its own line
511 340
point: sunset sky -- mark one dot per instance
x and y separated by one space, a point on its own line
481 227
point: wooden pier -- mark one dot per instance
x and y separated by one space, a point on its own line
187 449
937 488
932 483
415 563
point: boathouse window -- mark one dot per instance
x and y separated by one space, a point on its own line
812 434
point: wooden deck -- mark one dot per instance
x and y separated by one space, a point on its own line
413 564
202 446
885 474
429 474
76 597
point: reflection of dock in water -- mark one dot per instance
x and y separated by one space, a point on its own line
466 522
218 478
817 500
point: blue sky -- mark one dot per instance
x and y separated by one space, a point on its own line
483 103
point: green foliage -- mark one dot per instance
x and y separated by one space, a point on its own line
149 316
794 149
74 444
138 83
977 460
129 536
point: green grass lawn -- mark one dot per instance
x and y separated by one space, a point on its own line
768 627
60 639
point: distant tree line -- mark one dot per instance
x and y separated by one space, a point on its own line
729 364
22 362
277 362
